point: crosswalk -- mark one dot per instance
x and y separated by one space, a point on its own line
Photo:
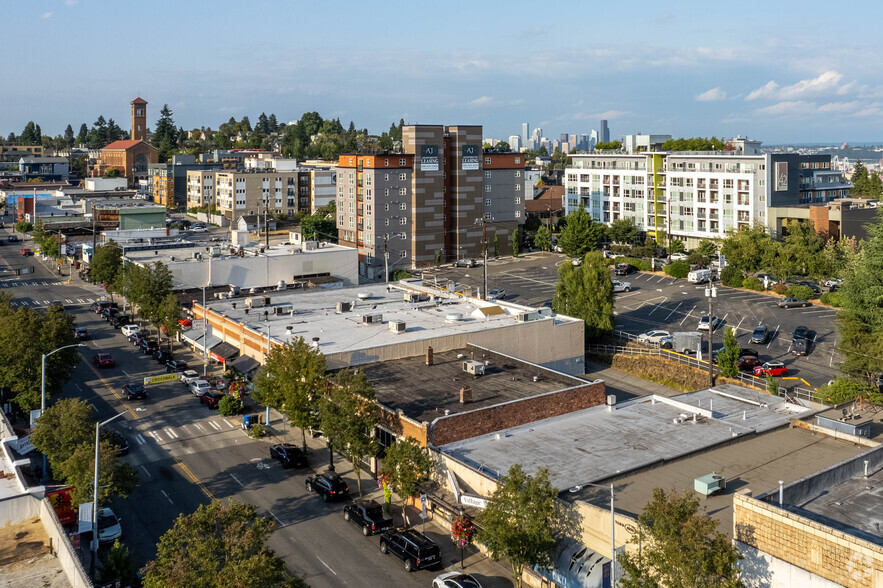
169 434
17 284
36 303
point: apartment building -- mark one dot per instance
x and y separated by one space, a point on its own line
444 194
168 181
697 195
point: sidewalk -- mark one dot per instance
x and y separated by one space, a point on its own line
489 573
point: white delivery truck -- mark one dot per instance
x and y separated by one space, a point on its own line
700 276
683 342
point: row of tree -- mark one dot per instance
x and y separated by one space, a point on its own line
865 184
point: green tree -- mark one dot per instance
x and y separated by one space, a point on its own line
165 135
728 358
69 136
50 246
586 292
516 243
62 428
115 477
438 257
623 231
676 246
677 546
496 245
502 146
291 381
82 134
348 414
106 263
609 145
532 223
841 390
747 248
803 247
118 565
223 546
521 520
38 231
859 180
408 466
24 227
543 240
581 234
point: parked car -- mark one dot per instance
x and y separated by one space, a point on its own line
13 238
792 303
162 356
760 335
622 269
652 337
121 443
367 515
704 321
109 313
120 320
289 455
176 365
622 286
103 360
148 346
466 262
26 252
678 256
329 485
135 391
211 398
770 280
414 548
455 580
833 282
811 285
200 387
771 368
81 334
747 363
109 528
137 338
577 261
57 304
496 294
130 330
99 306
800 341
187 377
198 229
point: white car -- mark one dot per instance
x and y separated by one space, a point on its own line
129 330
200 387
187 377
577 261
198 229
622 286
678 256
653 337
455 580
496 294
703 323
109 528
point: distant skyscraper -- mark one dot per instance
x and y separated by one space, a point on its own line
564 138
583 143
537 135
593 139
525 133
515 142
604 133
571 142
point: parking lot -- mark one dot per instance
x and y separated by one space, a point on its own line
660 302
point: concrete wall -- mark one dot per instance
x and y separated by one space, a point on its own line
551 343
761 569
817 549
67 557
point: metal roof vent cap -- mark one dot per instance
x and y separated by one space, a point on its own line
364 295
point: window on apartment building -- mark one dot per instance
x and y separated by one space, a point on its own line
517 214
386 207
487 160
518 200
403 220
518 187
386 191
352 161
402 236
403 191
517 160
386 222
488 217
517 172
487 173
487 187
386 162
403 176
403 161
403 206
385 177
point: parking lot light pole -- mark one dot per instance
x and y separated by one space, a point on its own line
94 544
710 295
45 477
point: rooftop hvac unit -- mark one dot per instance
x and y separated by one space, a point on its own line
415 297
523 317
343 307
283 309
397 326
372 319
709 484
546 311
476 368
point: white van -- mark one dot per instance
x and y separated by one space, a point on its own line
700 276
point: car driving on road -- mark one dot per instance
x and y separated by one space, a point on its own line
135 391
329 485
289 455
103 360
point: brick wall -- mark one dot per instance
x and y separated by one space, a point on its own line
457 427
402 426
814 547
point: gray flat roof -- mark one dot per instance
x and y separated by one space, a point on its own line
425 392
854 507
314 315
185 251
597 443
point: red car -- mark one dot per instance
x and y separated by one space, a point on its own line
103 360
747 363
211 399
26 252
772 368
185 322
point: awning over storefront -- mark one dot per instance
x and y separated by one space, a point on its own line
577 566
195 337
244 364
224 352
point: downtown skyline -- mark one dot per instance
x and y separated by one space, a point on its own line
682 70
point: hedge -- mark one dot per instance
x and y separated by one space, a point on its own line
731 276
800 292
678 269
642 265
832 299
779 288
752 283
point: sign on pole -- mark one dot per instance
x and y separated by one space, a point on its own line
423 506
159 379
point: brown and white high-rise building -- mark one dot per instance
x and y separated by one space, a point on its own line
440 195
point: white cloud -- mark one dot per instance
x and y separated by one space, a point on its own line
711 95
70 2
787 107
824 83
46 15
767 90
483 101
839 107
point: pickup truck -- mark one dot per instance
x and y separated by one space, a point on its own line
369 516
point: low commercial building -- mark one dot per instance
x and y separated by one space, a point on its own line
45 169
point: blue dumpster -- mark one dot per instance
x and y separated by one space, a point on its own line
248 420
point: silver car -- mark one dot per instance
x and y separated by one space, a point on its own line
622 286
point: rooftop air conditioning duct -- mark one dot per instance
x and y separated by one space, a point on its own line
397 326
343 307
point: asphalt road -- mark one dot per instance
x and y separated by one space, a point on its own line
661 302
185 454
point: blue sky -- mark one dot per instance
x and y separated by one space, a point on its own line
776 71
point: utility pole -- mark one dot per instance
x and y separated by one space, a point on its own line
385 260
94 235
484 264
710 294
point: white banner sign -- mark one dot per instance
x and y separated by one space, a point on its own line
473 501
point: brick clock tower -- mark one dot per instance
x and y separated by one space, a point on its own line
139 119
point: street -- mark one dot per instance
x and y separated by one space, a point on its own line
185 454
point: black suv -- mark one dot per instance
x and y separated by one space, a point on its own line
329 484
800 341
120 320
288 455
369 516
135 391
148 346
414 548
175 366
81 334
622 269
102 305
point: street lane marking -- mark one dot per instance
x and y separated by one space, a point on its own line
139 438
193 478
200 427
237 480
146 472
167 497
278 519
326 565
686 316
229 424
155 435
673 311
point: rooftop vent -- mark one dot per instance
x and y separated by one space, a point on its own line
343 307
397 326
364 295
476 368
453 317
372 319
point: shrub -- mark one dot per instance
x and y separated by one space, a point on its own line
399 274
228 406
842 390
678 269
779 288
832 299
800 292
257 431
731 276
752 284
642 265
772 385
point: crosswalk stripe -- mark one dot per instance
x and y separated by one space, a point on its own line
200 427
229 424
214 425
171 433
155 435
140 439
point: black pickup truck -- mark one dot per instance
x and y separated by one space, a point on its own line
369 516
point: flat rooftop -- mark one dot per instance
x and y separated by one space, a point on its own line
314 314
756 463
859 415
597 443
854 507
182 250
424 392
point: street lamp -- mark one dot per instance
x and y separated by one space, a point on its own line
710 295
43 392
95 491
612 529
